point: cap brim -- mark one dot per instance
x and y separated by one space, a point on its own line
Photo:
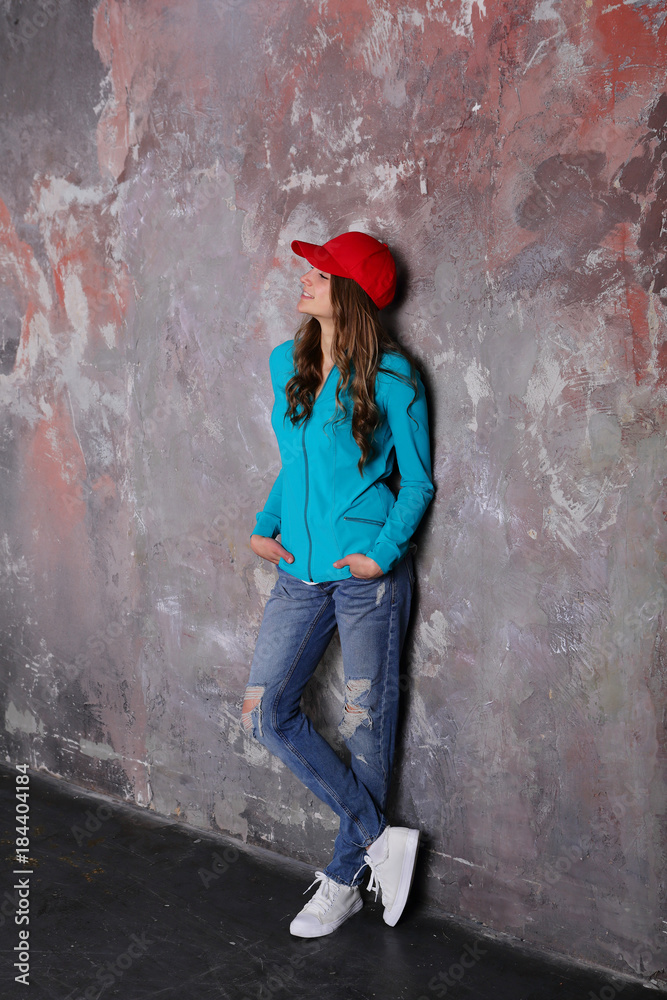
319 257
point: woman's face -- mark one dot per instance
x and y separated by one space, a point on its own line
315 298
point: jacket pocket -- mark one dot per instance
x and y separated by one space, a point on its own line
363 520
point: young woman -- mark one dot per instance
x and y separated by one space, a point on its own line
348 403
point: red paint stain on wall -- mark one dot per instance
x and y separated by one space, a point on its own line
53 510
20 273
630 40
637 303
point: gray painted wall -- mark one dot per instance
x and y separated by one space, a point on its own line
157 161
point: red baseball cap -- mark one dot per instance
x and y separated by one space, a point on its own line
357 256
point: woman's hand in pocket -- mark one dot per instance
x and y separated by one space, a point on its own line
269 548
360 566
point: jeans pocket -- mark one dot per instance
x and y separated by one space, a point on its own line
366 579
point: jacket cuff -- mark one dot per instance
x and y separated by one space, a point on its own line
386 555
268 525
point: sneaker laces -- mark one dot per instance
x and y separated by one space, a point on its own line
324 896
374 883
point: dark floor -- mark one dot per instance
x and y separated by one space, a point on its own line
124 904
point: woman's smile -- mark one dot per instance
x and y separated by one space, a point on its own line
315 299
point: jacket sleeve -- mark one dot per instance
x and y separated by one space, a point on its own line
408 423
268 519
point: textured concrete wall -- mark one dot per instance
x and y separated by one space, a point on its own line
157 160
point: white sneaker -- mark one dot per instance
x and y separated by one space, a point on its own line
330 907
392 859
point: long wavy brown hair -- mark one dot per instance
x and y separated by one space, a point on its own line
359 341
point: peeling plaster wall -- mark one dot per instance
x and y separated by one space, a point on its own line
158 158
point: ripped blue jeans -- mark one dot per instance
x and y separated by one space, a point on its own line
299 621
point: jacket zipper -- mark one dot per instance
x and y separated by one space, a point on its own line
365 520
305 509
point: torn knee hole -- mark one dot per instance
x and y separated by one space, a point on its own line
353 717
252 701
356 688
354 714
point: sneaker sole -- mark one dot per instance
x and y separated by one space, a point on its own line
325 929
391 916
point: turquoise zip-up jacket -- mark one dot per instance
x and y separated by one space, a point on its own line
320 504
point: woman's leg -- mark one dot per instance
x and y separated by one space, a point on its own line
372 618
297 626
